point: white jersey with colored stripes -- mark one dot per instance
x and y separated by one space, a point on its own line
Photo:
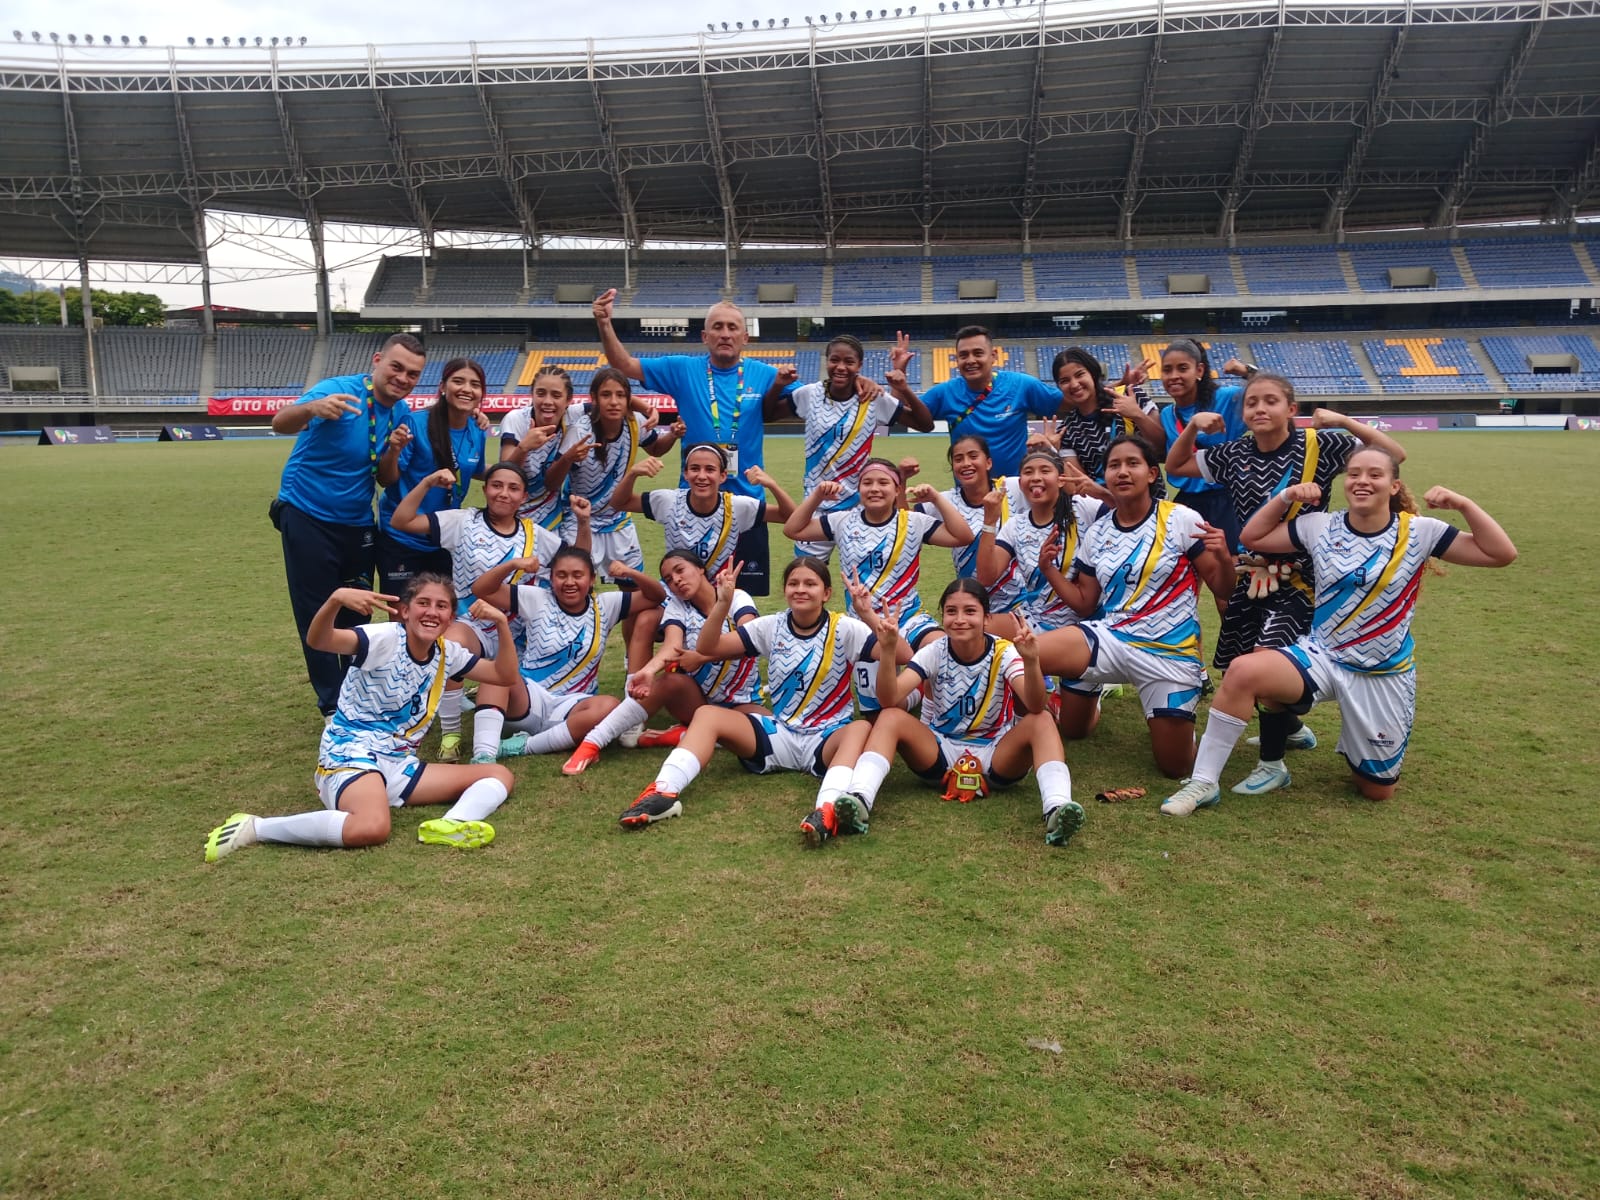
1031 593
544 505
886 558
737 681
562 650
1367 585
476 548
808 678
966 557
969 701
595 478
839 438
388 698
1149 589
711 538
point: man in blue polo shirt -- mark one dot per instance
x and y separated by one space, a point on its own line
718 395
994 404
324 504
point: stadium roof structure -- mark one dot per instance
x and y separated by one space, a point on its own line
1181 118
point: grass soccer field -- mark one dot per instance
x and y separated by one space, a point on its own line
1305 994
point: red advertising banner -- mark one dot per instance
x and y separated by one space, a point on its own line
265 406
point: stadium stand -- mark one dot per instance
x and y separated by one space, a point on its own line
682 282
1512 357
1086 276
596 274
498 356
1293 270
1424 364
876 367
948 272
1525 263
1315 368
150 362
806 277
263 362
396 281
1373 260
877 281
32 346
1155 265
350 353
476 277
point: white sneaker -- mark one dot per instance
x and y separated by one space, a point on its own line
1267 777
1300 739
630 737
1195 793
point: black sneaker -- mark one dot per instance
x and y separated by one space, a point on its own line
650 807
819 826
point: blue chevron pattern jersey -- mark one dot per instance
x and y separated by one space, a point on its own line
839 438
808 678
966 557
562 651
737 681
711 537
544 505
389 698
969 701
1030 592
595 479
1252 476
1367 586
1148 585
477 547
886 558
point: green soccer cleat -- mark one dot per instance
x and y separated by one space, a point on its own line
1062 822
463 835
449 748
851 813
237 832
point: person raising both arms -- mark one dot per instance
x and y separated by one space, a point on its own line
1139 568
970 733
532 437
719 396
841 413
324 505
1368 563
702 517
1271 606
478 540
367 762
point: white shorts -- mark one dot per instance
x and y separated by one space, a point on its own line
400 775
1376 711
545 709
488 635
1168 687
822 550
912 629
780 748
621 543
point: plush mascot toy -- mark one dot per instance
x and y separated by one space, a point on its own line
964 780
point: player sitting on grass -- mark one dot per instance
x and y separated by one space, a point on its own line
810 653
367 762
970 734
1368 563
553 701
478 539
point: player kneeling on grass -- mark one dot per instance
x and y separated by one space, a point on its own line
810 654
970 733
1368 564
1137 573
553 701
367 762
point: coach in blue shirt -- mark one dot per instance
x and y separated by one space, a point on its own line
994 404
324 504
718 395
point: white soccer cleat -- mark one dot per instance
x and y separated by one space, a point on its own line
1300 739
1267 777
1195 793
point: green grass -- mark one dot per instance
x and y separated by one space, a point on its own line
1303 994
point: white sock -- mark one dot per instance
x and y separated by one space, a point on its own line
1221 735
557 737
624 716
478 801
871 770
677 772
323 827
1055 784
487 724
834 782
450 711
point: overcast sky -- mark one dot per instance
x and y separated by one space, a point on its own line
401 21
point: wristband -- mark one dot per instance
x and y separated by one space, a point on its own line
987 528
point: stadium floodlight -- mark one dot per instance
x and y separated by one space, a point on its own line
73 38
710 27
191 41
36 35
107 39
142 40
125 39
227 41
724 27
302 41
258 40
786 22
274 42
852 16
17 33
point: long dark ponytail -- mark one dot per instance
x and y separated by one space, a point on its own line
444 452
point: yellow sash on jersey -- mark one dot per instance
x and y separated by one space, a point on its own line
827 663
1157 544
1401 537
596 645
727 530
855 428
902 521
435 690
989 692
1308 472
